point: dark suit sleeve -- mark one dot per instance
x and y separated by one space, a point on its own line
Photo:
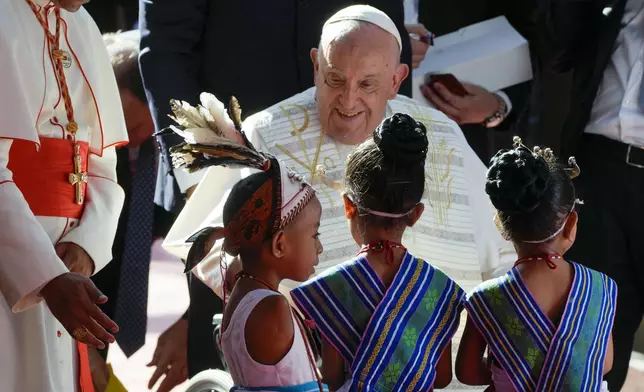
396 11
566 29
171 33
519 96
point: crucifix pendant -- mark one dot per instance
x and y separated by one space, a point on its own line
78 177
63 56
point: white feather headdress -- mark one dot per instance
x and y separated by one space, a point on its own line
213 136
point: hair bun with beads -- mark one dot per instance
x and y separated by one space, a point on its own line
517 180
400 138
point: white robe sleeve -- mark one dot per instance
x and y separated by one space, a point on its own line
187 180
208 270
203 209
103 203
28 260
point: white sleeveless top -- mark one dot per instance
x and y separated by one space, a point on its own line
294 369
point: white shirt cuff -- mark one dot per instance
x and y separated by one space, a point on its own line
508 103
187 180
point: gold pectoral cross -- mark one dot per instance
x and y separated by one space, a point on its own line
78 177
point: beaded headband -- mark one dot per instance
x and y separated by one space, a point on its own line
375 212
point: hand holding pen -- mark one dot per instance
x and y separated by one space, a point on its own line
421 40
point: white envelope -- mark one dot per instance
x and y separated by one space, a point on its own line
491 54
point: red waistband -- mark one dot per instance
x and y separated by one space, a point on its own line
43 175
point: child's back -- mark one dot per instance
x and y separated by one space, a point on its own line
389 335
545 331
551 292
549 288
547 322
387 317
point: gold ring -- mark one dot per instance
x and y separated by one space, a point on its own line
79 333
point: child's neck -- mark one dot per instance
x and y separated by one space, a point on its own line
372 235
262 276
531 250
376 235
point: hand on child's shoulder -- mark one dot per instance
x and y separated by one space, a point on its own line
269 330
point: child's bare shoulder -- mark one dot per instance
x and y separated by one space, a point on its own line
274 308
269 330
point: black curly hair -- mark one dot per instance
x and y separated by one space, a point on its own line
533 197
387 173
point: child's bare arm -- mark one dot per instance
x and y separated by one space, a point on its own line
269 330
444 368
332 366
608 359
471 368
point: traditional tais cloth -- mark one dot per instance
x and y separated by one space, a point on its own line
269 209
456 232
392 337
535 354
37 206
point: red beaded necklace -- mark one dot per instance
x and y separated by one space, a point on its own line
547 257
382 246
242 275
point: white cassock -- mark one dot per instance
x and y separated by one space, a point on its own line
37 208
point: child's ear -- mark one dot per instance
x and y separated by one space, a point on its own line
570 228
349 207
415 214
278 244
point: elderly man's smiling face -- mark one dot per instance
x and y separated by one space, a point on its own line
357 70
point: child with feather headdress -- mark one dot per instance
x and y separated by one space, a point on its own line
271 221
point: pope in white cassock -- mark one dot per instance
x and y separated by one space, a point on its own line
357 76
60 120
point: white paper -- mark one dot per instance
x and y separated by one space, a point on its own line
491 54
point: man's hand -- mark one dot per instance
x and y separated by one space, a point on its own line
72 299
474 108
171 357
419 44
75 258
